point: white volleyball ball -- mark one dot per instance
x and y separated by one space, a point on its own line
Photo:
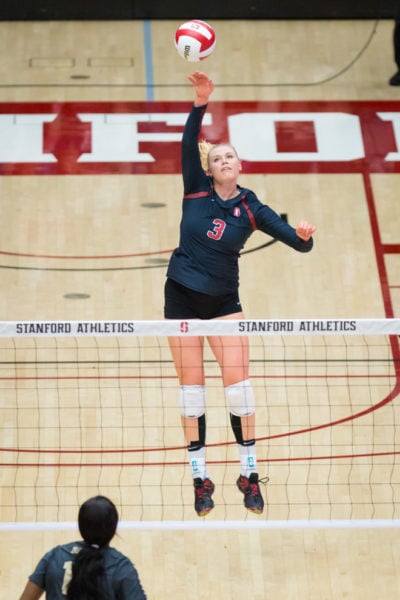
195 40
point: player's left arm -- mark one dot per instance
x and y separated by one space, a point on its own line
268 221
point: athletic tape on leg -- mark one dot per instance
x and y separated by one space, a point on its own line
192 401
240 398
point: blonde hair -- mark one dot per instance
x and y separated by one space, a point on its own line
204 149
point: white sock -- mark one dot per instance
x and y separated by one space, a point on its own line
197 462
248 460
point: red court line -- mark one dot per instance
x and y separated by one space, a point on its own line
391 248
379 248
211 462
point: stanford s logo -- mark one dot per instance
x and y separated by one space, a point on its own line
184 326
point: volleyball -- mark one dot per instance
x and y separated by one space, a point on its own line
195 40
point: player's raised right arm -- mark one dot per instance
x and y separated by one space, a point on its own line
203 87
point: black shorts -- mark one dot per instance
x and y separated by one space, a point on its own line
184 303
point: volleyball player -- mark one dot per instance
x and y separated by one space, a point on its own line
218 216
90 568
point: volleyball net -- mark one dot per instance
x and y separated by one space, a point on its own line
92 407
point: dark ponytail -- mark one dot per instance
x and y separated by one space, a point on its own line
97 520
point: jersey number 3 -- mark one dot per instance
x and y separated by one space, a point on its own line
219 227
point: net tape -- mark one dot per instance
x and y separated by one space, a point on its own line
195 327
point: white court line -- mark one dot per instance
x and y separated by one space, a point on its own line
204 524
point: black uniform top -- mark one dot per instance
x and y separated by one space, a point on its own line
213 231
54 572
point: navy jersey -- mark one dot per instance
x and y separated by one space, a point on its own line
54 571
213 231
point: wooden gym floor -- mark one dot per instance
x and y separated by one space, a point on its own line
56 226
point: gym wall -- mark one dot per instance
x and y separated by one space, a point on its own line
43 10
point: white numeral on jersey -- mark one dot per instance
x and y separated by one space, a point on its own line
67 576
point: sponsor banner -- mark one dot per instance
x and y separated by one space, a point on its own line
16 329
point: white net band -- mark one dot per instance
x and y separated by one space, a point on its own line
198 327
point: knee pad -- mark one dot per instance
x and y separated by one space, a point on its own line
192 401
240 398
